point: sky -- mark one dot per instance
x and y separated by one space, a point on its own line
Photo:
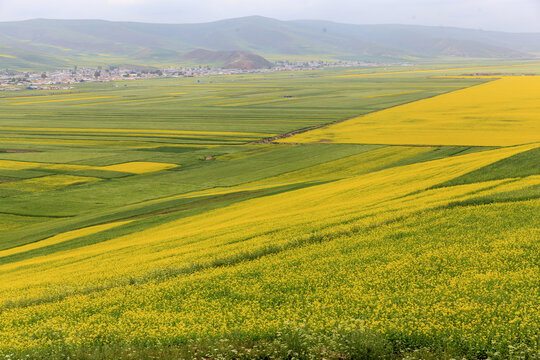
502 15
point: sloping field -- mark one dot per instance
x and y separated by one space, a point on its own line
384 220
159 232
500 113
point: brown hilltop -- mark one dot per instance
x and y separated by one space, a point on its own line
228 59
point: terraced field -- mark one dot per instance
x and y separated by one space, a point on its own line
164 222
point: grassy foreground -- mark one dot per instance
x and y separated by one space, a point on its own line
175 238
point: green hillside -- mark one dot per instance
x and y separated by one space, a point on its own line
55 43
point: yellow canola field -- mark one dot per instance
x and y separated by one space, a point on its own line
380 280
17 165
70 235
365 200
167 281
53 182
467 77
24 165
138 167
499 113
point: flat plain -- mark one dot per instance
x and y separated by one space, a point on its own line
380 213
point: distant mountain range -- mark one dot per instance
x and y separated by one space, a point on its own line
45 44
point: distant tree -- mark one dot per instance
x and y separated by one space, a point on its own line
97 74
43 75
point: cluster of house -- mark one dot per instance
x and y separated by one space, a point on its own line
64 78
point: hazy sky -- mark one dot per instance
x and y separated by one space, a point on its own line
506 15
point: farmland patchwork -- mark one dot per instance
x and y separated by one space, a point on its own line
397 207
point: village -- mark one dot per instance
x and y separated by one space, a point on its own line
63 79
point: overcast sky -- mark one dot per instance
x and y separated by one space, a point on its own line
505 15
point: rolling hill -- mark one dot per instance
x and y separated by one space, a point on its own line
228 59
43 43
